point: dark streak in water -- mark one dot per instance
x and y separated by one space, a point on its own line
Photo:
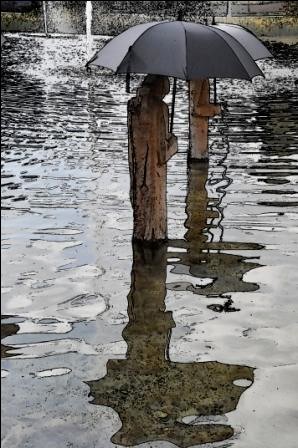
278 204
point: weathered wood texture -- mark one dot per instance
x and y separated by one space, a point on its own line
150 146
200 110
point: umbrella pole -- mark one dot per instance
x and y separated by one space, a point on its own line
127 82
127 78
214 91
173 105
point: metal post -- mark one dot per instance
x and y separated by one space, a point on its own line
173 105
127 82
214 91
179 19
127 79
44 8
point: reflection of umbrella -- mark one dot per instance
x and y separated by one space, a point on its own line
181 49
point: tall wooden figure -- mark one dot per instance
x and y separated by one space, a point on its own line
200 110
150 146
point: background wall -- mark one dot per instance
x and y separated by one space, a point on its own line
265 18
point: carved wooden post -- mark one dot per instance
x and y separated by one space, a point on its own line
150 146
200 110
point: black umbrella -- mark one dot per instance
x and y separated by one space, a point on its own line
180 49
245 37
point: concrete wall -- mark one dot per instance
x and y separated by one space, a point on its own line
250 8
265 18
66 16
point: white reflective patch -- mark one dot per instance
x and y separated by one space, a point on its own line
53 372
242 383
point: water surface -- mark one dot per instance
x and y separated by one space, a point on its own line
105 344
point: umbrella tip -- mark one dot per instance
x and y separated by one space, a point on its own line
180 15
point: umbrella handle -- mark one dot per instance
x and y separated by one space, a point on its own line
173 105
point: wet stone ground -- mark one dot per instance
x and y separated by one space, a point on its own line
108 344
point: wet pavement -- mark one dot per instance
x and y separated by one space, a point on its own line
108 344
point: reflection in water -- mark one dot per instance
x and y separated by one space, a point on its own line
274 121
278 123
69 222
151 393
7 330
216 272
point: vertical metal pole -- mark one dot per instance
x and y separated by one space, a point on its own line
127 81
189 124
180 15
88 14
214 91
173 105
179 19
229 14
44 8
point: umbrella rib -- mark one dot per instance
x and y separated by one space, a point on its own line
248 31
238 43
244 27
138 38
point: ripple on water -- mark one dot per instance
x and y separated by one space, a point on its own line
66 234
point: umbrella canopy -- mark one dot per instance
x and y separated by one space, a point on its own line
247 39
180 49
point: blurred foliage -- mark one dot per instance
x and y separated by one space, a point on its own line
291 8
200 8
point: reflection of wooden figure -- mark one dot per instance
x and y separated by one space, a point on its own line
151 393
200 110
150 147
198 210
7 330
224 272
